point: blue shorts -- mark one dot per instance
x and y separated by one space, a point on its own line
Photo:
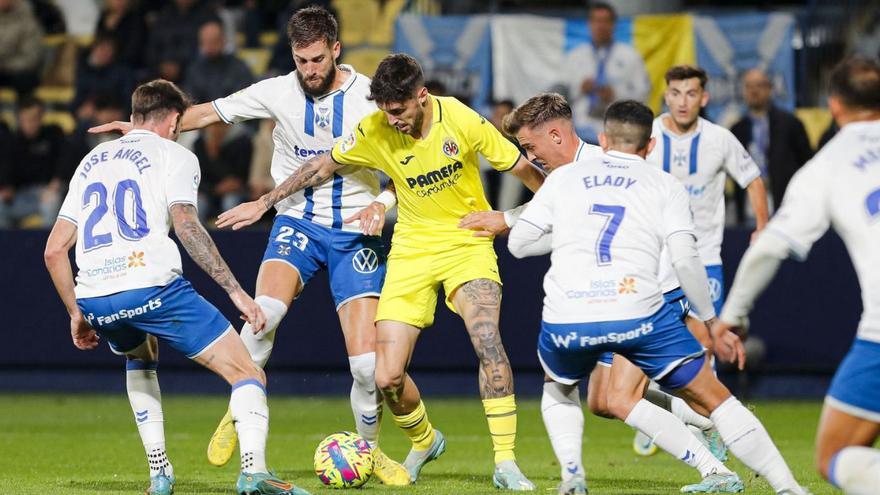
354 262
175 313
855 388
716 286
658 344
679 304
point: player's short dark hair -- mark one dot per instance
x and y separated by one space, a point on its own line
397 79
856 83
685 71
629 122
537 110
604 6
154 100
28 102
310 25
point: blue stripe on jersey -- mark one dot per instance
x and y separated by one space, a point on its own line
667 151
337 114
310 116
308 214
337 199
695 143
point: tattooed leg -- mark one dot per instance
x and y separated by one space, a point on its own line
479 304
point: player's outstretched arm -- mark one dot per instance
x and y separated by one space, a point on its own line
195 117
758 199
203 251
312 173
528 174
61 240
692 276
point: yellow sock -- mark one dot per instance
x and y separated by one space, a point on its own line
501 415
416 426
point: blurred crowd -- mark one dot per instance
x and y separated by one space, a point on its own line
195 43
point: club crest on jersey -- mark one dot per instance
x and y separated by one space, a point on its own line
347 143
322 117
450 148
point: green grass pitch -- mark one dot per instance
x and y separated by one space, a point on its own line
88 444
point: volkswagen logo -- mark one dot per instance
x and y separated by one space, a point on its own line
365 261
715 289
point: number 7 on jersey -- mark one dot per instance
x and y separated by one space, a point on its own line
613 216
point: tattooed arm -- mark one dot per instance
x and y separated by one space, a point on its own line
203 251
312 173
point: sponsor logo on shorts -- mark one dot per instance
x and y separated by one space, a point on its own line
572 339
136 259
284 250
365 261
450 148
124 314
714 289
436 180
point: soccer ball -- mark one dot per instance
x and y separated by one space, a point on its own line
344 460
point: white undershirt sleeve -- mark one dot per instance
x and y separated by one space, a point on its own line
691 273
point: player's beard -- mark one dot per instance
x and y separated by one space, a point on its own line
323 86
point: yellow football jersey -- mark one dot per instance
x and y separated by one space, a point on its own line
437 177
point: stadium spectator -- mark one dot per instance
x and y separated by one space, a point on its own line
173 40
21 46
224 153
774 137
100 73
603 71
49 16
31 163
127 26
215 73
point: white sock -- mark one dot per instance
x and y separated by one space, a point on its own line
564 420
145 398
749 441
671 435
251 415
366 401
677 407
260 345
856 470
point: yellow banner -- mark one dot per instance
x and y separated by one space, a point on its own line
663 41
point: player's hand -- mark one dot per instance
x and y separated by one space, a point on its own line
371 218
115 126
250 310
83 335
242 215
485 223
727 344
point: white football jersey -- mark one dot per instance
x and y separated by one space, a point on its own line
609 217
840 187
119 199
306 127
701 160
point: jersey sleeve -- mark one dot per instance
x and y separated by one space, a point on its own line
184 176
738 162
804 215
355 149
488 141
676 216
71 206
246 104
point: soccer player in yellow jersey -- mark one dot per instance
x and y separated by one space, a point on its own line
428 146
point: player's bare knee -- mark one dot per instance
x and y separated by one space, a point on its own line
389 381
598 405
